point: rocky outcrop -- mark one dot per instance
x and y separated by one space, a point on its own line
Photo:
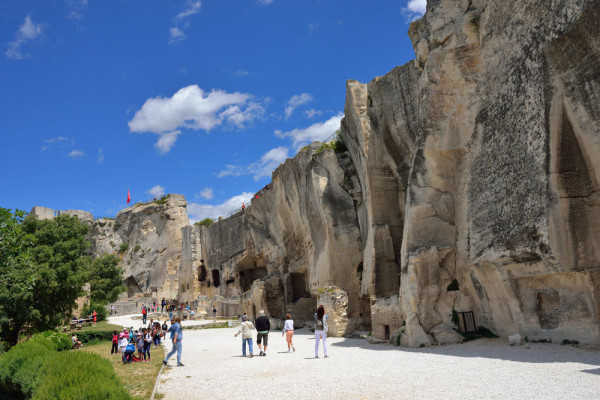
148 238
299 235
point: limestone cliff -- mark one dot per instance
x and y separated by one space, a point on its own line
299 236
147 236
469 184
464 181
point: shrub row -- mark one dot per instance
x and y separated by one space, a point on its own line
79 375
92 337
40 369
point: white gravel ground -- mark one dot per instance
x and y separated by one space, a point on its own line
355 369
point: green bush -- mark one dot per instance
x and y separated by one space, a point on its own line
162 200
20 366
100 308
137 248
123 247
204 222
60 341
94 336
79 375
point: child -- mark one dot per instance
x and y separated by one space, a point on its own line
115 343
140 342
76 343
123 342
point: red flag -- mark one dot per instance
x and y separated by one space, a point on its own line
128 196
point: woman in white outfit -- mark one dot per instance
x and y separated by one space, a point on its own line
320 330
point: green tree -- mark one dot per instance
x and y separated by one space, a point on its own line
17 276
106 279
60 265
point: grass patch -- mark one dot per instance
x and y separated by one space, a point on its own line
138 377
101 326
572 342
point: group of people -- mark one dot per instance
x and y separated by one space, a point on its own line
127 342
263 326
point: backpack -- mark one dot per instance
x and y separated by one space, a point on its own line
115 339
319 325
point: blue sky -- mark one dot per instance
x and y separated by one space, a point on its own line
202 98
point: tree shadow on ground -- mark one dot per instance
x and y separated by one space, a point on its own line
494 349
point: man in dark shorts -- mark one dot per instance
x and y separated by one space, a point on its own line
263 326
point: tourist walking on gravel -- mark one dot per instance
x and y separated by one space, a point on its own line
246 329
144 314
288 331
176 337
320 330
263 326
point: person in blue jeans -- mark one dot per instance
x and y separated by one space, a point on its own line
176 337
246 328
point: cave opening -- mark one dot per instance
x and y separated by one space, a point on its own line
216 278
201 273
299 290
250 275
132 287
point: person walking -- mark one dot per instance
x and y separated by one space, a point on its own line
214 311
144 314
320 330
95 317
147 343
246 329
112 309
115 343
162 305
263 326
176 337
288 330
164 329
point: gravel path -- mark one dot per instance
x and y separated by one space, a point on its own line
355 369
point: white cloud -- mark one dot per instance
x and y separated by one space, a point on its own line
176 35
261 168
415 9
182 21
156 191
310 114
100 156
264 2
198 211
59 141
206 193
76 153
192 108
27 32
77 8
193 7
166 141
296 101
316 132
241 72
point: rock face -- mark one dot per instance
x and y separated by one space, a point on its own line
467 186
299 235
470 184
148 238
